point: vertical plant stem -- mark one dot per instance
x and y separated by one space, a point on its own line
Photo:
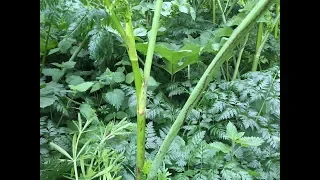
277 23
206 78
141 124
262 43
236 69
258 43
213 11
221 9
223 73
45 50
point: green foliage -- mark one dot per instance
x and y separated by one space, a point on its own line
232 133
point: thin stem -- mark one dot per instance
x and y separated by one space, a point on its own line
231 6
277 23
223 74
45 50
213 11
236 69
259 49
221 9
258 44
77 51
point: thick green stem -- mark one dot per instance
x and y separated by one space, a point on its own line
258 44
45 50
236 69
206 78
213 11
141 125
76 52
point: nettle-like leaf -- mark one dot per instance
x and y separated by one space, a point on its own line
81 87
74 80
55 73
231 131
221 147
250 141
46 101
115 98
65 44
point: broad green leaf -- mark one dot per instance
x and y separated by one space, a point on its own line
115 98
64 45
166 9
118 77
175 58
55 73
231 131
152 83
52 51
86 111
69 64
46 101
250 141
81 87
226 31
129 78
236 20
239 135
141 31
121 115
221 147
74 80
96 87
110 116
62 151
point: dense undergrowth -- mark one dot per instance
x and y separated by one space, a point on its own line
88 104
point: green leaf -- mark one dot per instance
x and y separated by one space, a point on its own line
118 77
74 80
96 87
110 116
221 147
250 141
69 64
121 115
226 31
239 135
86 111
175 58
231 131
115 98
64 45
47 100
129 78
193 13
58 148
55 73
141 31
52 51
152 83
81 87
